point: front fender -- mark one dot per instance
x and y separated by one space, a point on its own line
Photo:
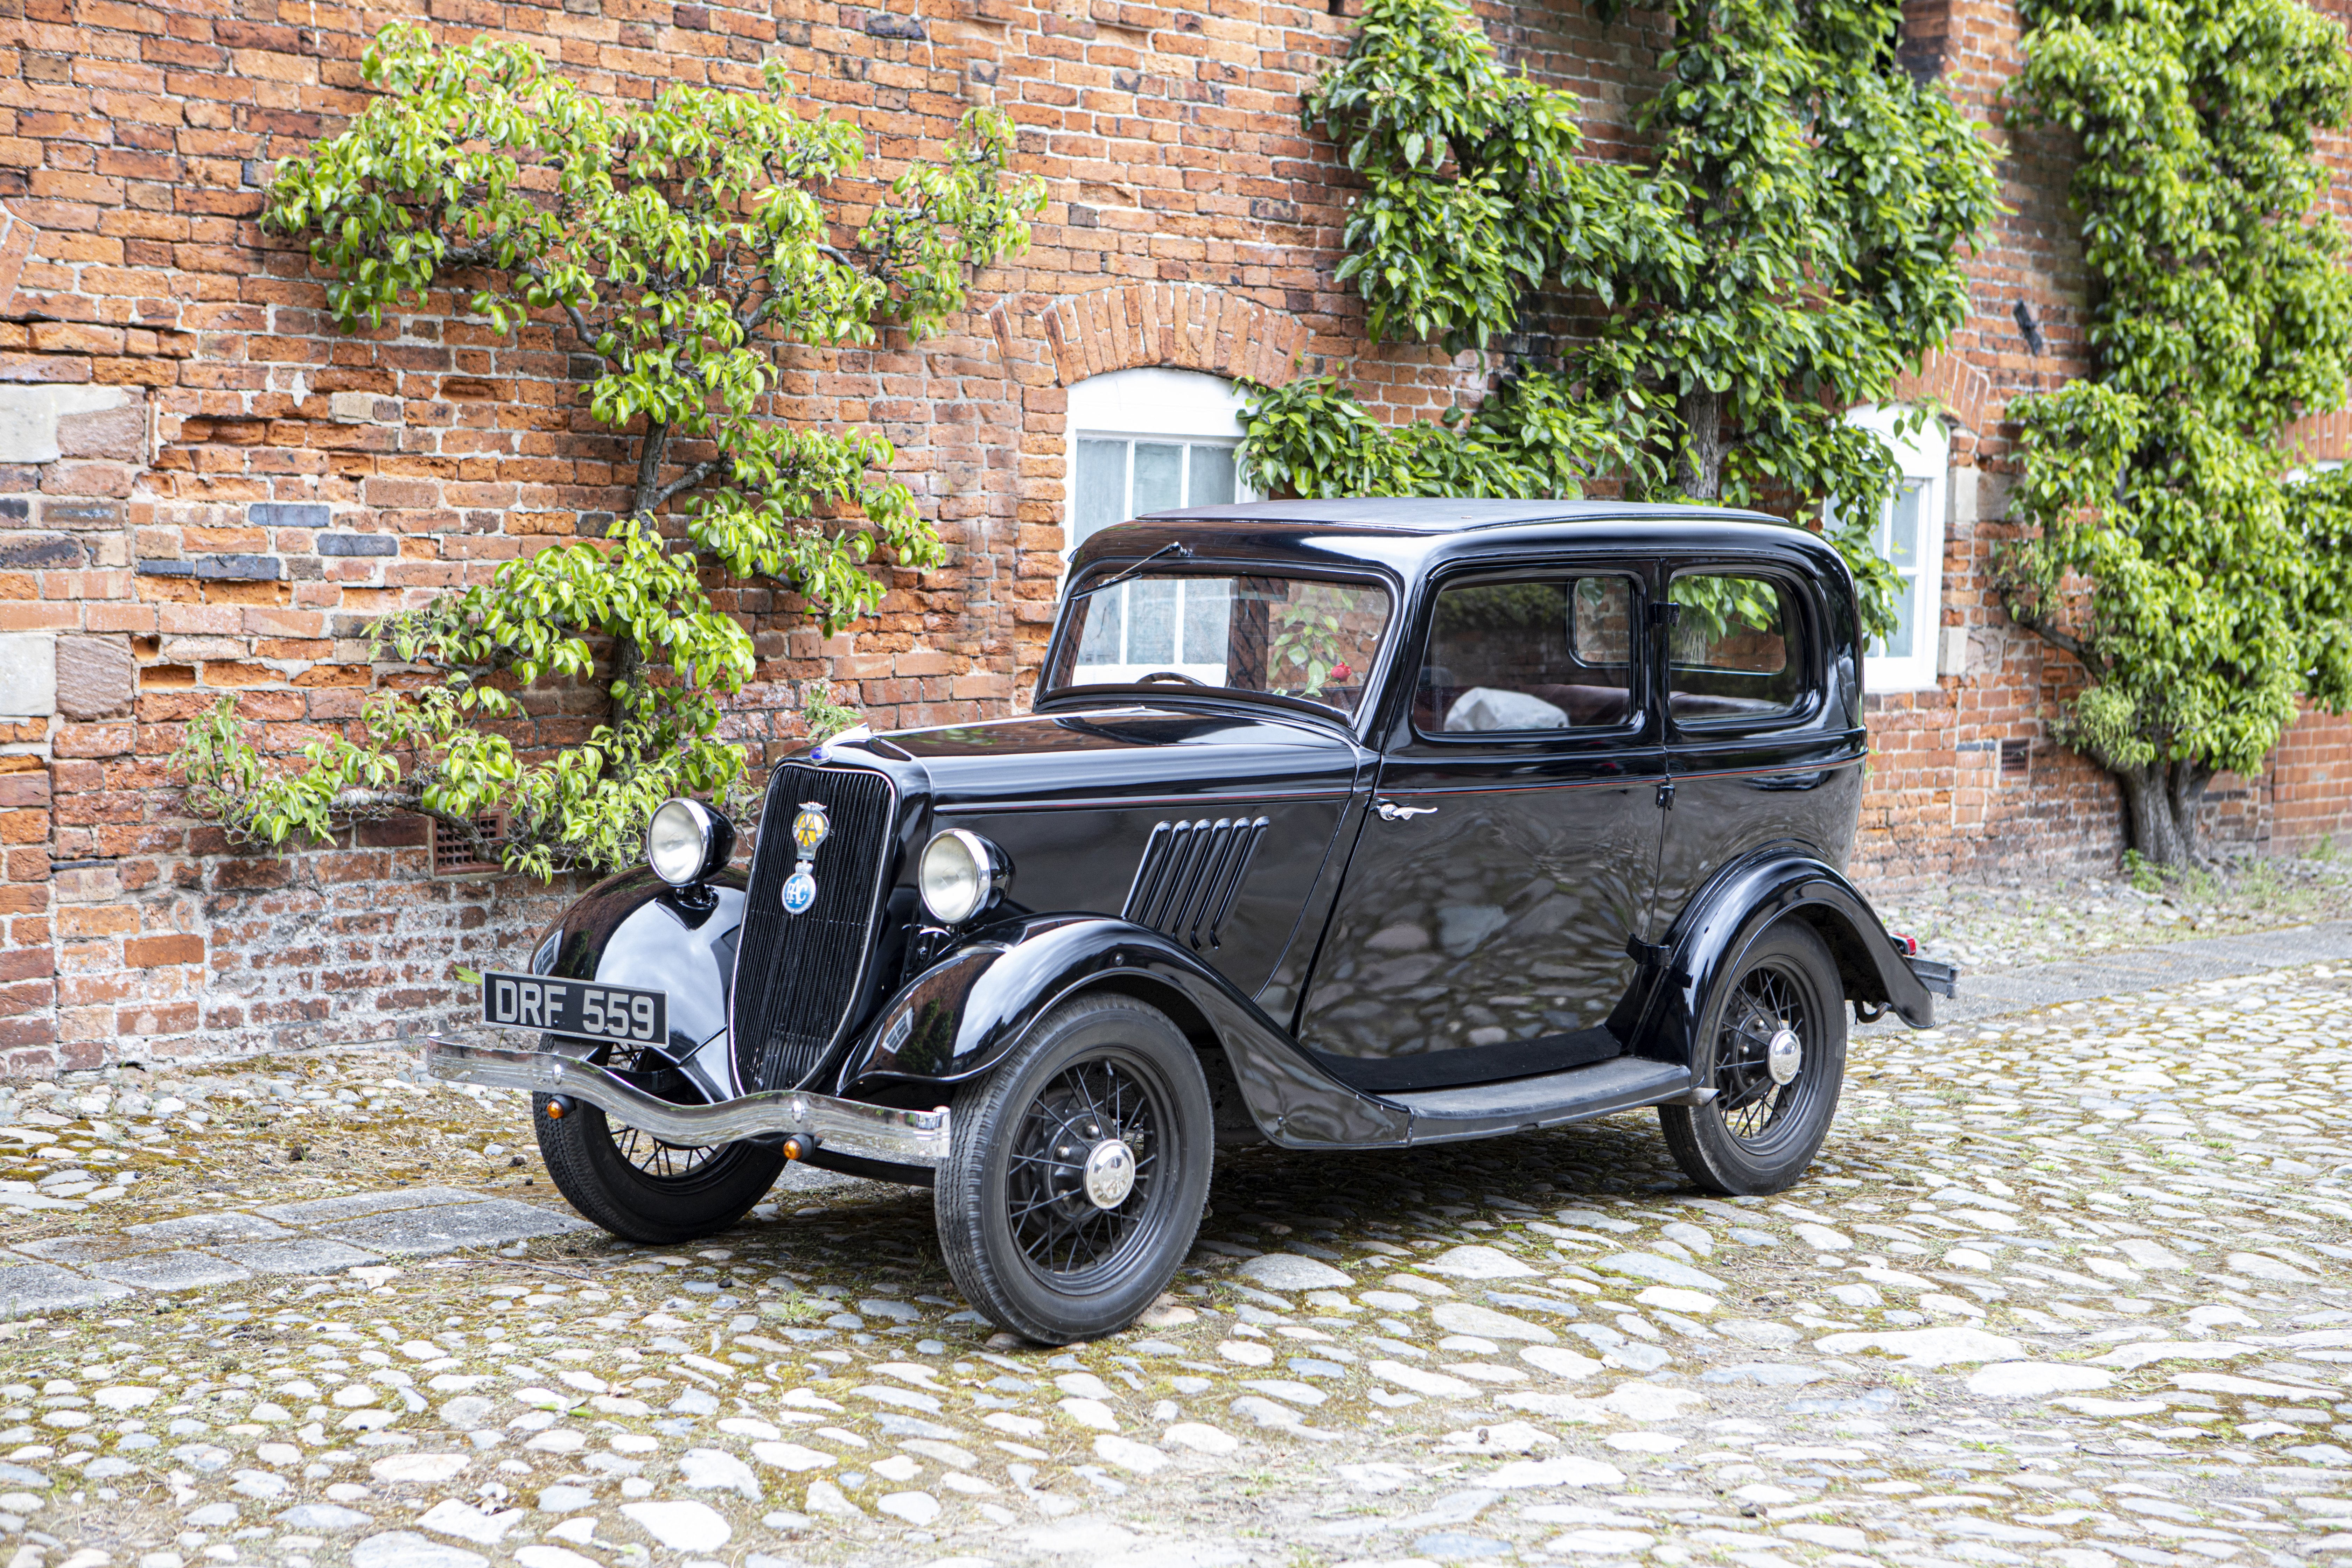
637 930
1707 941
966 1013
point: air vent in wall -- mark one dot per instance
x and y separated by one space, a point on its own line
1191 874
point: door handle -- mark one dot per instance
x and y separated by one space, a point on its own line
1392 812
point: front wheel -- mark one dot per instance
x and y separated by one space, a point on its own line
1078 1171
641 1189
1775 1045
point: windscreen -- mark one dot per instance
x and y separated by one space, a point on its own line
1292 636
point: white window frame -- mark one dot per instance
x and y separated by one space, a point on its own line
1924 456
1184 406
1149 404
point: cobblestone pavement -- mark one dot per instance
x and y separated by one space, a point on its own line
1991 927
2068 1288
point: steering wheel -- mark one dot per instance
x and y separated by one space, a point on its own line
1169 674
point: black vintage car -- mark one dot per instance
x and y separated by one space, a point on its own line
1338 825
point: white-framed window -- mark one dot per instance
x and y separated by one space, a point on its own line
1910 536
1151 440
1143 441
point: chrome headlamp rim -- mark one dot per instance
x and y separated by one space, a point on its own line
982 859
714 837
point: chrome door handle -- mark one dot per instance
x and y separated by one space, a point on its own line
1392 812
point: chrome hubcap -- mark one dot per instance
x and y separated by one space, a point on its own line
1784 1055
1110 1173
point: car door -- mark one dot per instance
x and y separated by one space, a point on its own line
1481 931
1757 756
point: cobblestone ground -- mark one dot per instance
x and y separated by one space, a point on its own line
1990 926
2067 1289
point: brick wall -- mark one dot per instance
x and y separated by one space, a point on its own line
204 489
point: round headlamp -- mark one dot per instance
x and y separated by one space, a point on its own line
960 875
687 841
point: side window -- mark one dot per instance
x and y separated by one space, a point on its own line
1736 650
1526 657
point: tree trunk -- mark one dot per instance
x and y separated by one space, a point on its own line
654 447
628 658
2160 807
1699 467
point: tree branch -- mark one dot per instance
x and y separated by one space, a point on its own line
689 479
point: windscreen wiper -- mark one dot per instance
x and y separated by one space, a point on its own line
1181 552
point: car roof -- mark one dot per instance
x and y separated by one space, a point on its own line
1412 536
1417 514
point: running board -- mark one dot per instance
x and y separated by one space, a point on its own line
840 1126
1553 1100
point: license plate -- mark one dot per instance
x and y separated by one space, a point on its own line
583 1007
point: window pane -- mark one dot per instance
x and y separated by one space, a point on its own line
1735 651
1213 477
1208 606
1603 629
1158 478
1296 636
1151 621
1500 658
1903 529
1907 607
1102 489
1106 618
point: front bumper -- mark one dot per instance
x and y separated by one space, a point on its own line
844 1126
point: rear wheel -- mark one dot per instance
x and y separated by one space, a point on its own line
1775 1033
638 1187
1078 1171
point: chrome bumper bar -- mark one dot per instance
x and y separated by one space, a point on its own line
844 1126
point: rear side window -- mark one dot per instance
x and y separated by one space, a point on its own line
1737 651
1526 657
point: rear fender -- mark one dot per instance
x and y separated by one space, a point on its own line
967 1012
637 930
1713 934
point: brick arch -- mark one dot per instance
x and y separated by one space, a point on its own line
2320 437
1952 385
1962 392
1183 326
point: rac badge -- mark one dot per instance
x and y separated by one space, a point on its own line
811 828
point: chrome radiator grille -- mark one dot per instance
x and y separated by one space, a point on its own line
1191 874
797 976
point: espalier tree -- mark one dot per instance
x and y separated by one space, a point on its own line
1786 248
681 245
2168 547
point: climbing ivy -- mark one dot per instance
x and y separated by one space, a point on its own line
677 246
1786 248
2170 545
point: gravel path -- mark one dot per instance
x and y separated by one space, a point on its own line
2071 1286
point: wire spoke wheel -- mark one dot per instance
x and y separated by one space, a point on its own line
1773 1050
1078 1171
639 1148
1082 1174
1767 1007
653 1157
638 1185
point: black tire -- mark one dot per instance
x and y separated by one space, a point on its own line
1758 1134
1025 1242
643 1190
